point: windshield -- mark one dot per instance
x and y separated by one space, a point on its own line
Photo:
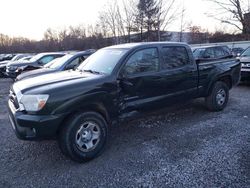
198 52
17 57
246 52
36 57
57 63
103 61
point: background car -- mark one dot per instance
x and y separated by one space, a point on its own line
5 57
15 58
237 51
245 65
211 53
13 69
69 61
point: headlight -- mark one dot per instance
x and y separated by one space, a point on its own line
19 69
33 102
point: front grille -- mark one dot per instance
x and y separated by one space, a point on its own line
13 99
245 65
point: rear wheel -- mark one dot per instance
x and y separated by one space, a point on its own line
218 98
83 137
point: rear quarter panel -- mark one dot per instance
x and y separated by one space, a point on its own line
210 72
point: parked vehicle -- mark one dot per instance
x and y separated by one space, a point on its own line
67 62
237 51
76 107
7 57
15 68
27 58
212 53
245 65
15 59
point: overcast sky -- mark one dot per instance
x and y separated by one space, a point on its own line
30 18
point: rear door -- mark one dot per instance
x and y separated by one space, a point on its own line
179 74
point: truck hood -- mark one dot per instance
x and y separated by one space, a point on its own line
51 81
4 62
19 63
34 73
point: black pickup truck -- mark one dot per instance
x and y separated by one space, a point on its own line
77 107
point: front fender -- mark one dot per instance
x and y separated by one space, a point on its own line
81 102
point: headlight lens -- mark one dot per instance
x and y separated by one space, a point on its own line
33 103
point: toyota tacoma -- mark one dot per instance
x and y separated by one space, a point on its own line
78 106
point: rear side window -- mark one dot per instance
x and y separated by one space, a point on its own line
219 52
227 51
174 57
209 53
146 60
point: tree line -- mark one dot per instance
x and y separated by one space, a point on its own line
132 21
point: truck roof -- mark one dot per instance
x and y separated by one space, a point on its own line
139 44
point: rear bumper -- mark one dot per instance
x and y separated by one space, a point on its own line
34 127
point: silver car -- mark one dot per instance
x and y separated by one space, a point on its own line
245 65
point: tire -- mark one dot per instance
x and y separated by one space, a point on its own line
2 75
218 97
83 136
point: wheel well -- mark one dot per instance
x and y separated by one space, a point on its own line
99 108
227 80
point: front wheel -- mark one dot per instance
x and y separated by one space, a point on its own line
83 136
218 98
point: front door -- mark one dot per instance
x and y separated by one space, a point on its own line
140 81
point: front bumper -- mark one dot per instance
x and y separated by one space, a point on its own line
34 127
11 74
245 74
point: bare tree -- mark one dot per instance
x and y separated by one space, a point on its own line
182 23
232 12
197 34
129 9
102 26
168 13
120 23
109 16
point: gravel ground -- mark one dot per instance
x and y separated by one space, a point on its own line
182 146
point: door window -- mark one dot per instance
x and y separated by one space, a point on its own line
146 60
174 57
209 53
219 52
46 59
73 64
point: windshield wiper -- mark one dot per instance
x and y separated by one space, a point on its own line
92 71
